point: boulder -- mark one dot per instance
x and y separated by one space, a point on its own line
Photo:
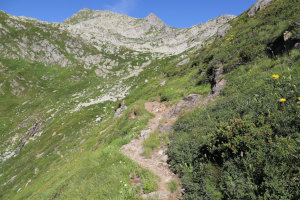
120 110
185 61
187 103
218 81
287 35
145 132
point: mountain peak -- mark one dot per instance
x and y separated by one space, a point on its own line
152 16
155 21
84 10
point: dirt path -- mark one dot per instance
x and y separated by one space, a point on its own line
164 118
158 163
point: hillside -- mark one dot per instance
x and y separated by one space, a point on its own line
106 106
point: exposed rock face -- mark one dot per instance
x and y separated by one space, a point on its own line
150 34
287 35
153 20
43 42
165 128
258 6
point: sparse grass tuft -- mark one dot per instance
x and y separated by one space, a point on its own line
154 141
149 183
173 186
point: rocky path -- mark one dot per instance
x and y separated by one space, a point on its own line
157 164
165 116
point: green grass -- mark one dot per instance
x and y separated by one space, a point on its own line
149 183
227 135
240 146
153 142
76 159
173 186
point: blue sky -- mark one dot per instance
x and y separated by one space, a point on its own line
176 13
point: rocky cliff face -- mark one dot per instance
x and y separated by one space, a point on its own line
150 34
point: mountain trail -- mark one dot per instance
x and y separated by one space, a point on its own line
165 117
157 164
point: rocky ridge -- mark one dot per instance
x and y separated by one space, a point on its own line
90 37
149 34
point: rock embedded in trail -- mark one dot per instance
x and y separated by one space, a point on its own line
187 103
165 128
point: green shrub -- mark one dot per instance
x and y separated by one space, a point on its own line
243 146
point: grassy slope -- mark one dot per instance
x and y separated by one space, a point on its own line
246 144
77 161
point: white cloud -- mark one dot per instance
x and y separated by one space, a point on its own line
122 6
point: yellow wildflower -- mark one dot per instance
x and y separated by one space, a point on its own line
298 98
282 100
276 76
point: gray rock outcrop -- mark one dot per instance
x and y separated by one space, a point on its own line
149 34
153 20
185 61
120 110
187 103
258 6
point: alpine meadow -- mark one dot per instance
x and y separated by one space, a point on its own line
112 107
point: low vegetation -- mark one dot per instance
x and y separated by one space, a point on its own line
245 145
173 186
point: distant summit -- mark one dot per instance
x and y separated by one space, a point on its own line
149 34
155 21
